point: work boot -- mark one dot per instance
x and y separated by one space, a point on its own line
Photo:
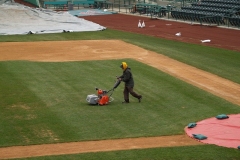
139 99
126 101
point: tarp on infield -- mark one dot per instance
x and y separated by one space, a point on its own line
221 132
20 19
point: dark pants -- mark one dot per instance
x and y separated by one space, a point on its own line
128 90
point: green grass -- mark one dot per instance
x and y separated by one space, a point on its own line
43 102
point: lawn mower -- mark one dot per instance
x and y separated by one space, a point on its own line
103 97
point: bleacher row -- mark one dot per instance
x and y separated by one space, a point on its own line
65 4
223 1
211 11
149 9
137 7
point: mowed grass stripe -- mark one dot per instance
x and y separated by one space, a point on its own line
55 94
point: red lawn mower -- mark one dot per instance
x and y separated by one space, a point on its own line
103 97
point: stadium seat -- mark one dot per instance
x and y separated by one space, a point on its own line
209 11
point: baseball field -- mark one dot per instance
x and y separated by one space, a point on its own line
46 78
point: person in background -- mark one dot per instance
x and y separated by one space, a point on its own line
127 78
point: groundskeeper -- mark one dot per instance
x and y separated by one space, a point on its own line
127 78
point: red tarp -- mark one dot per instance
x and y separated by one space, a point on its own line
224 132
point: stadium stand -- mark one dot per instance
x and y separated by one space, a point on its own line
56 4
210 11
68 5
83 3
147 8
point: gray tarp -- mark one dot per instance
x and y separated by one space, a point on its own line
19 19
